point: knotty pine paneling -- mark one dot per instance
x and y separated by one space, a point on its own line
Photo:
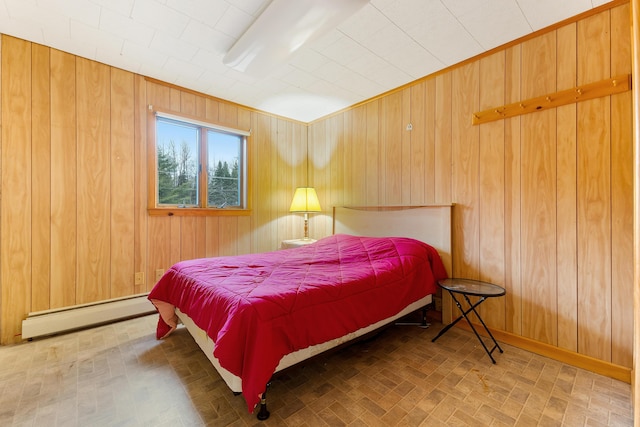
621 195
319 176
421 143
434 158
357 194
405 176
16 181
566 152
140 242
273 176
122 183
538 233
543 200
373 153
64 197
465 171
492 187
75 182
283 177
393 148
538 187
93 102
512 195
594 192
40 177
442 128
348 147
263 183
335 149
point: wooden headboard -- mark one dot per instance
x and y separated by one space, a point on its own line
430 224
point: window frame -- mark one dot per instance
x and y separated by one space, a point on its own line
154 208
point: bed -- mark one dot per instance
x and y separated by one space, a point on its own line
254 315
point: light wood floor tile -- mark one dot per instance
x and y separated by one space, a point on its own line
120 375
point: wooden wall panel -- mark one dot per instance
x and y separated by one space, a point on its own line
432 154
349 174
393 148
187 235
40 178
538 233
16 181
63 180
405 153
175 240
621 196
512 195
228 236
284 145
273 190
566 154
492 187
594 193
335 150
358 164
94 151
319 176
263 184
373 156
86 147
418 146
122 184
443 140
140 186
466 157
538 186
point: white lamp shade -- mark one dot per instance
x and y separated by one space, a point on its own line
305 199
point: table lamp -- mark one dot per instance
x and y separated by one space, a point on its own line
305 200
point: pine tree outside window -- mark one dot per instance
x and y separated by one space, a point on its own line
198 165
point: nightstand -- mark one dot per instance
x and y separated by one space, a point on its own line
295 243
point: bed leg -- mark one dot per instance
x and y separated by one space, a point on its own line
423 324
264 413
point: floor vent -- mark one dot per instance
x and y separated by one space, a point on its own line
50 322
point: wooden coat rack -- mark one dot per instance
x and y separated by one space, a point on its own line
605 87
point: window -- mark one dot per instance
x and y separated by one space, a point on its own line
198 165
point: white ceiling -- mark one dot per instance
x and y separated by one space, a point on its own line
384 45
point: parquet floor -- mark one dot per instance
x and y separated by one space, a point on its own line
120 375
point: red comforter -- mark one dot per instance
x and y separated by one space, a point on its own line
258 308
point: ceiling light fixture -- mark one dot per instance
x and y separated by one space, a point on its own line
282 28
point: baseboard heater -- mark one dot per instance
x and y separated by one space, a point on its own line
50 322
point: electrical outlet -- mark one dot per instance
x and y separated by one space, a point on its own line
139 278
159 273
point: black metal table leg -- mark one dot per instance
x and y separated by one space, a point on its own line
465 313
472 308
